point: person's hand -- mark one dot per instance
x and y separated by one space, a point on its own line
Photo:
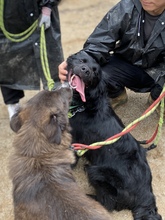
62 71
45 17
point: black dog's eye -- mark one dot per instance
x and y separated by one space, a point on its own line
83 61
94 69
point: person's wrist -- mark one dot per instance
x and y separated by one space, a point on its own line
46 11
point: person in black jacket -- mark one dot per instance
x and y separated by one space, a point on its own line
129 44
20 63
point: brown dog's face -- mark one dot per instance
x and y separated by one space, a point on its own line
47 112
83 72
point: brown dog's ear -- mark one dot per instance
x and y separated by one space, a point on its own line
52 131
15 122
66 93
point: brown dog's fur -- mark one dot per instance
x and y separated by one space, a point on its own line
43 184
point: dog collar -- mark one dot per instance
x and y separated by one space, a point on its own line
75 109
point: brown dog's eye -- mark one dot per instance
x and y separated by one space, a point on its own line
54 117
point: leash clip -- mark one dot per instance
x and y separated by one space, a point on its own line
78 109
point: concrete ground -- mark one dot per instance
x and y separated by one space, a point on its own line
78 19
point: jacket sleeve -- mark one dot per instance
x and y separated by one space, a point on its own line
48 3
104 37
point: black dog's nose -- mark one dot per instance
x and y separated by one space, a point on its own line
85 69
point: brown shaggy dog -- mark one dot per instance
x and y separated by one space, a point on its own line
43 184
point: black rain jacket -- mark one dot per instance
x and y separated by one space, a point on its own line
20 64
121 32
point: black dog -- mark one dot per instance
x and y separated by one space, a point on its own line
119 172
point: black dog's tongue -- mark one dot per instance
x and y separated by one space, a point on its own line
77 84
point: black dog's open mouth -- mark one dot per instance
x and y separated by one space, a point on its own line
77 83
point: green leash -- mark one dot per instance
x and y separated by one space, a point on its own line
161 120
15 37
23 36
44 60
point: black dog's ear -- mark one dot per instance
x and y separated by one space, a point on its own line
15 122
52 131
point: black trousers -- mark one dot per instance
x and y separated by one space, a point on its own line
11 96
120 74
